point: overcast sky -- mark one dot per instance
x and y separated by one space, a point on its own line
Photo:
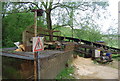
111 16
111 20
113 9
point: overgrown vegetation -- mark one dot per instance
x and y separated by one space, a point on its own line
67 73
14 25
116 56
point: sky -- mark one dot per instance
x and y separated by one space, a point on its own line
111 14
113 9
112 20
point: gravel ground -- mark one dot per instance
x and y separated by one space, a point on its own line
86 69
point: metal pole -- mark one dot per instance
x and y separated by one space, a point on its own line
35 54
38 66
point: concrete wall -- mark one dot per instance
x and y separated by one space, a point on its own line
14 68
52 66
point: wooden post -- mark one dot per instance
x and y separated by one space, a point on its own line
37 12
35 54
35 23
35 66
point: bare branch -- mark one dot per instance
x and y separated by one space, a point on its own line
31 3
26 9
75 7
50 6
55 7
44 5
60 26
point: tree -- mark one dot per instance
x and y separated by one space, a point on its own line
67 15
50 6
90 10
111 37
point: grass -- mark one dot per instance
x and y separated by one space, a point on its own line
116 56
67 73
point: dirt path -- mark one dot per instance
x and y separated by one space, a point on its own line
86 69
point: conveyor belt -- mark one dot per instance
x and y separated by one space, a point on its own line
84 41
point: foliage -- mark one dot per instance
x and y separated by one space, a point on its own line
14 25
111 41
89 34
116 56
66 73
111 37
64 13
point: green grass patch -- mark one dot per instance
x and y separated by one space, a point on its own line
116 56
67 73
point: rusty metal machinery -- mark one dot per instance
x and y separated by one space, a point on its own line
48 34
28 33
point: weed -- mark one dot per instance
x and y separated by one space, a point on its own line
67 73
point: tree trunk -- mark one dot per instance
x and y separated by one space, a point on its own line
48 18
49 23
